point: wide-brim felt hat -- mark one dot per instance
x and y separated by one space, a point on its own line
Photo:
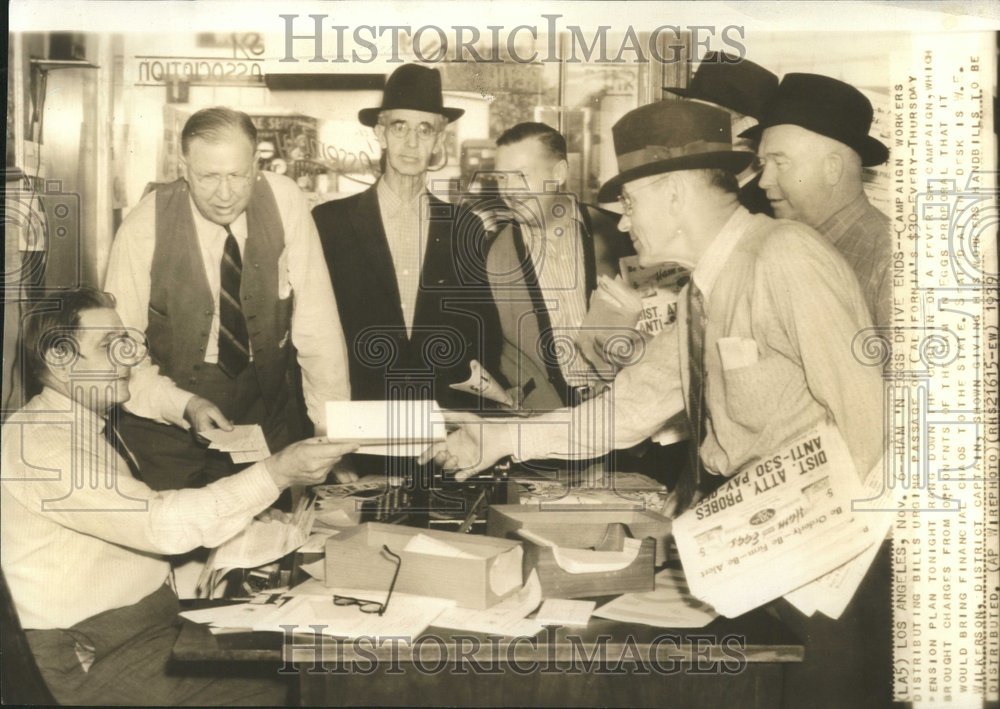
668 136
826 106
731 82
413 87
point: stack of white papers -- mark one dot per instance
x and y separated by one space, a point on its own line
563 612
393 428
244 444
669 605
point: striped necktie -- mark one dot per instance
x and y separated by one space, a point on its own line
234 343
688 482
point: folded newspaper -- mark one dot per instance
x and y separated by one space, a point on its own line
785 523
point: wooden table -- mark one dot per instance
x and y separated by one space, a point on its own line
735 662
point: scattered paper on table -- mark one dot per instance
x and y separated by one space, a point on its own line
406 617
238 616
505 618
669 605
316 543
560 611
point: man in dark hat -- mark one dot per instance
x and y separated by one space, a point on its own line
814 143
742 89
406 266
762 352
775 289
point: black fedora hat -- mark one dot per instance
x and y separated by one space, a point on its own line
826 106
414 87
731 82
667 136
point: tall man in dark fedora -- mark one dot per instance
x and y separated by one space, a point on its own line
407 267
762 351
222 270
814 142
742 89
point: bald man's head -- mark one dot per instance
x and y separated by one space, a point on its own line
807 176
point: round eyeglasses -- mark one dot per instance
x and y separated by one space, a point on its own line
401 129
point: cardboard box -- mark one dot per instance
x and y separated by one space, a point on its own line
492 572
579 526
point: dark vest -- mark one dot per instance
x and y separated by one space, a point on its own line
181 304
454 319
525 320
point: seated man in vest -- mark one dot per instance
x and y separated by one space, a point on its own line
223 271
82 538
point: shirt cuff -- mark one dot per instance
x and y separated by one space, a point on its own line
257 486
174 405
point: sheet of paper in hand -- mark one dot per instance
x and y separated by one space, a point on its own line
778 524
394 428
244 444
658 287
481 382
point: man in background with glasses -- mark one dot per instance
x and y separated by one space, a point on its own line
223 271
406 266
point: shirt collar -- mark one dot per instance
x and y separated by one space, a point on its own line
714 259
394 203
837 224
209 231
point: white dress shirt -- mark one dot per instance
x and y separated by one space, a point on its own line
406 233
316 331
79 535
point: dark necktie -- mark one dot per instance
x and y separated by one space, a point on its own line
114 439
234 343
688 483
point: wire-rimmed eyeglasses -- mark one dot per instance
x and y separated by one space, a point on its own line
401 129
365 605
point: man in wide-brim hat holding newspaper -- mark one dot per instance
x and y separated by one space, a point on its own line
762 352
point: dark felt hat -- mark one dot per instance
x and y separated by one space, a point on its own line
667 136
731 82
413 87
826 106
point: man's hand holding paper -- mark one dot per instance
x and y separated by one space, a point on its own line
608 338
474 446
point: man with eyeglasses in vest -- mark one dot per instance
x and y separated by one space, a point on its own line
222 270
